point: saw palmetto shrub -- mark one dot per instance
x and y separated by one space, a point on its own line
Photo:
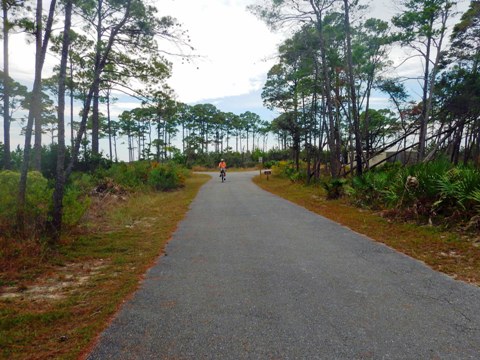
435 191
288 170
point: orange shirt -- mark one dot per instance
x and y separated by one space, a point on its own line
222 165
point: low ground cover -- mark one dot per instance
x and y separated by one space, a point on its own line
55 308
453 253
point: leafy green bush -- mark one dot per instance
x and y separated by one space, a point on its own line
143 174
269 164
75 205
334 188
131 175
434 189
376 188
457 188
166 177
38 202
38 199
82 181
286 169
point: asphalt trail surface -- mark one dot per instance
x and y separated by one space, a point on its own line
249 275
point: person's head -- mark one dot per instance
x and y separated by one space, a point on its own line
221 160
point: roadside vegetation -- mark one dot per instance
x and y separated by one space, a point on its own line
428 211
54 301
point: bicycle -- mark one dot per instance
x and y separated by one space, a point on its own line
222 175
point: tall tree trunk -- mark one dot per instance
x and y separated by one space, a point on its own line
60 178
109 125
353 95
424 115
96 83
476 151
72 136
97 71
334 136
6 89
115 146
35 108
165 139
158 140
367 125
468 144
183 137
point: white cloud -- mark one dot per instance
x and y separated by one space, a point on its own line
233 45
118 107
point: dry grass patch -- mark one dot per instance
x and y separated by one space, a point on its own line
454 254
58 309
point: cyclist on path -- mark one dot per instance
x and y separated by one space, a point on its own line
222 165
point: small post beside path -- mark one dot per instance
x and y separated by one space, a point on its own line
267 172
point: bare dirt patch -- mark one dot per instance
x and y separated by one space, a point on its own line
56 284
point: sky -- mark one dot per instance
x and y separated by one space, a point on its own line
233 53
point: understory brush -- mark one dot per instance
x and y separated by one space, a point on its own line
23 247
143 175
437 192
287 170
54 304
38 204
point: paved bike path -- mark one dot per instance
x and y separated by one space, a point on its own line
249 275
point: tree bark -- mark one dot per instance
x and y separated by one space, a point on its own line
96 83
72 137
429 82
86 110
58 193
35 107
36 104
110 125
334 136
353 95
6 89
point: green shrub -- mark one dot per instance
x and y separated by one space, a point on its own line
269 164
84 182
457 188
287 170
440 190
38 199
166 177
38 202
131 175
142 174
75 205
334 188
